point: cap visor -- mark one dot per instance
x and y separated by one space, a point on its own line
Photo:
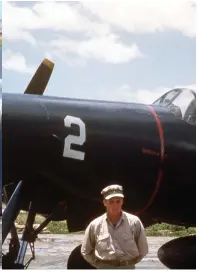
114 195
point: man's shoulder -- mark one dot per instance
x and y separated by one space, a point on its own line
98 220
132 217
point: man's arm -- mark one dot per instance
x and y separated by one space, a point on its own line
141 241
88 245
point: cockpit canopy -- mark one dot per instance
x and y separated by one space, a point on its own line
181 102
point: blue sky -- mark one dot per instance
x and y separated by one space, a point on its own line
110 50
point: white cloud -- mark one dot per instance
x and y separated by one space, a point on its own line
190 86
126 94
139 16
16 62
106 49
133 16
18 34
96 21
99 43
54 16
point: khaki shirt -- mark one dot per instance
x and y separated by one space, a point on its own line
126 241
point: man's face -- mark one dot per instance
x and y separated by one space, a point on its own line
114 205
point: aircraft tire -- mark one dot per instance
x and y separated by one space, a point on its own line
76 261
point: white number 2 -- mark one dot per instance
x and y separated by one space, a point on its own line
71 139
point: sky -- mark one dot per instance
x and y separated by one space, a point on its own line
106 50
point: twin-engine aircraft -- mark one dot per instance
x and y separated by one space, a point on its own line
58 154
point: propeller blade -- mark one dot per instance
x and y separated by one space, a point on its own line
40 79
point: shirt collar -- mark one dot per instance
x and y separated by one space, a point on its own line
121 217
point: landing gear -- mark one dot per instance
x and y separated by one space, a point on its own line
11 211
14 259
9 216
76 261
179 253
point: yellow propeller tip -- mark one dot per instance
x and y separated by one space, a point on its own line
48 63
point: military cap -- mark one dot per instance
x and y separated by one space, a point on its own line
112 191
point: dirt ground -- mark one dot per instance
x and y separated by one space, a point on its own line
52 251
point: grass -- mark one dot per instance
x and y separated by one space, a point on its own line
162 229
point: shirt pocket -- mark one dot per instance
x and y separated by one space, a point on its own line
129 243
126 236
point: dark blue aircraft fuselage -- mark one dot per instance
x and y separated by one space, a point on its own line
70 149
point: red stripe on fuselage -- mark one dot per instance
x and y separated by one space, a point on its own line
162 156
